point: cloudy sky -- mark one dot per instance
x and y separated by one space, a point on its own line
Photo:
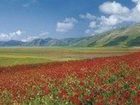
28 19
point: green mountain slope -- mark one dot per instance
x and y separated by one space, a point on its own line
124 37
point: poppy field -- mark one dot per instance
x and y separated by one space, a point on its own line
99 81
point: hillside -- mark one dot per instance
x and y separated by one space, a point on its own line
123 37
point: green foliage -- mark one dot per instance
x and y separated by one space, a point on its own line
112 79
126 86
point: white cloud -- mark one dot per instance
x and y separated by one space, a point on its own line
18 32
3 36
21 36
115 15
122 13
10 36
87 16
92 24
90 17
113 8
66 25
104 29
109 21
32 37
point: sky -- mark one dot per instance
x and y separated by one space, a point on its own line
26 20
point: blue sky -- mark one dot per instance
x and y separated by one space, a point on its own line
29 19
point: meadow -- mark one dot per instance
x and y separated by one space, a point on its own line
70 76
17 56
100 81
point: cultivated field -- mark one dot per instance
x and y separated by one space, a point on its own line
18 56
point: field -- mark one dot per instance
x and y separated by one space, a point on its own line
93 76
18 56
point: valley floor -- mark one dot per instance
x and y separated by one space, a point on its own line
18 56
100 81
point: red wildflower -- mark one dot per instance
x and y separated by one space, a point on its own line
63 94
99 103
75 100
112 99
46 89
137 100
126 94
134 88
87 97
138 93
82 83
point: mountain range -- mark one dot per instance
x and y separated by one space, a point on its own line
122 37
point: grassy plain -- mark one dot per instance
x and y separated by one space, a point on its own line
17 56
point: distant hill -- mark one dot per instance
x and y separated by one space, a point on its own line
44 42
11 43
123 37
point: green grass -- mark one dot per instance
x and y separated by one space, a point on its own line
17 56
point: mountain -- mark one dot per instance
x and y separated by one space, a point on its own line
11 43
45 42
53 42
123 37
